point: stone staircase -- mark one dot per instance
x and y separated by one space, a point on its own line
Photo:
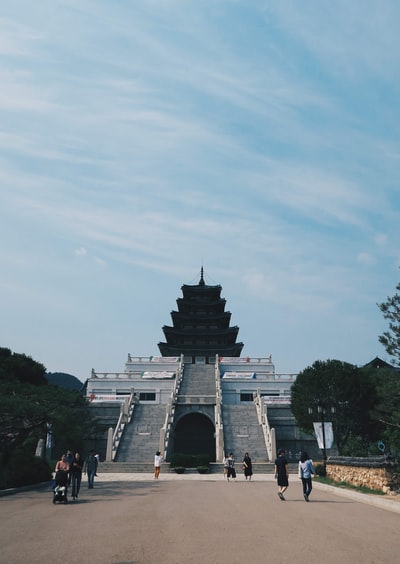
198 381
141 438
215 468
128 467
243 433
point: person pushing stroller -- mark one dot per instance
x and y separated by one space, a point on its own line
61 480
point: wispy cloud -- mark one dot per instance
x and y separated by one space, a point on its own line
258 138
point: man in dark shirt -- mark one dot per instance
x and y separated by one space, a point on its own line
90 468
282 474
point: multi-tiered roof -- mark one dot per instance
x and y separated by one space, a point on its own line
201 324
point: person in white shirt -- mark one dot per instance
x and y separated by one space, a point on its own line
157 464
225 463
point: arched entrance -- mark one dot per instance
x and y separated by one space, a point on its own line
194 434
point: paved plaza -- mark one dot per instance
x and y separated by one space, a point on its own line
192 518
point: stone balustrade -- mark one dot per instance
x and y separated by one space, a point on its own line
376 473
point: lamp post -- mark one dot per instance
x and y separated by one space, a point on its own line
322 411
49 441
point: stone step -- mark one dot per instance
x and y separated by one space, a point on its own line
214 467
141 438
242 431
198 380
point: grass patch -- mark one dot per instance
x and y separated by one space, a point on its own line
360 489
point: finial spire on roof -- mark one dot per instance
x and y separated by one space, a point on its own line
202 283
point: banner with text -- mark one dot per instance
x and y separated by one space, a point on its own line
328 434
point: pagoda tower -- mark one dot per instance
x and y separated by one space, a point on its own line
201 326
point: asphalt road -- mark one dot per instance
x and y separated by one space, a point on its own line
178 521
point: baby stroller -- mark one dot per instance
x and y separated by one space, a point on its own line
60 490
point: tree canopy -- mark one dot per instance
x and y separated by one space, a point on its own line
386 410
21 368
391 339
29 405
339 385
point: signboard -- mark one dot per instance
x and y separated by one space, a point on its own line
164 359
100 397
234 359
248 375
160 374
277 399
328 434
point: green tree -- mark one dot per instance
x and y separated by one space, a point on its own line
391 339
21 368
28 405
337 384
386 410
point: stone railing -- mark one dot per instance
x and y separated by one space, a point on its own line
219 426
125 416
165 430
376 473
269 433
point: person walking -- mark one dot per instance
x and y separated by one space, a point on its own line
225 463
76 469
306 472
282 474
62 465
69 458
231 467
157 464
90 468
247 467
61 472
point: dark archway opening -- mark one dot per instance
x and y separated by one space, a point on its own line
194 434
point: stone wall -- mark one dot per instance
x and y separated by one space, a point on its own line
375 473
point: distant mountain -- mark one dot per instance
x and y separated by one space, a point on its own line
64 380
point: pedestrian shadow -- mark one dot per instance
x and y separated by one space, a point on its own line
312 501
113 491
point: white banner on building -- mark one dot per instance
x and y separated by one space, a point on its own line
277 399
231 374
328 434
101 397
234 359
160 374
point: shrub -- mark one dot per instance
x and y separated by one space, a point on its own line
202 469
180 459
320 470
24 469
201 460
189 460
179 469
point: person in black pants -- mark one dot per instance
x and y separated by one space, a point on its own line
90 468
282 474
76 474
231 467
306 471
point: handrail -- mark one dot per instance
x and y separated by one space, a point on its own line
269 434
125 417
219 426
165 430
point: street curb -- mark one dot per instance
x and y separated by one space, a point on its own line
31 487
369 499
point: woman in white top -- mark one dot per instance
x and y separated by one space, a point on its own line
306 471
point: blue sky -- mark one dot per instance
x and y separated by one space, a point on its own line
141 140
